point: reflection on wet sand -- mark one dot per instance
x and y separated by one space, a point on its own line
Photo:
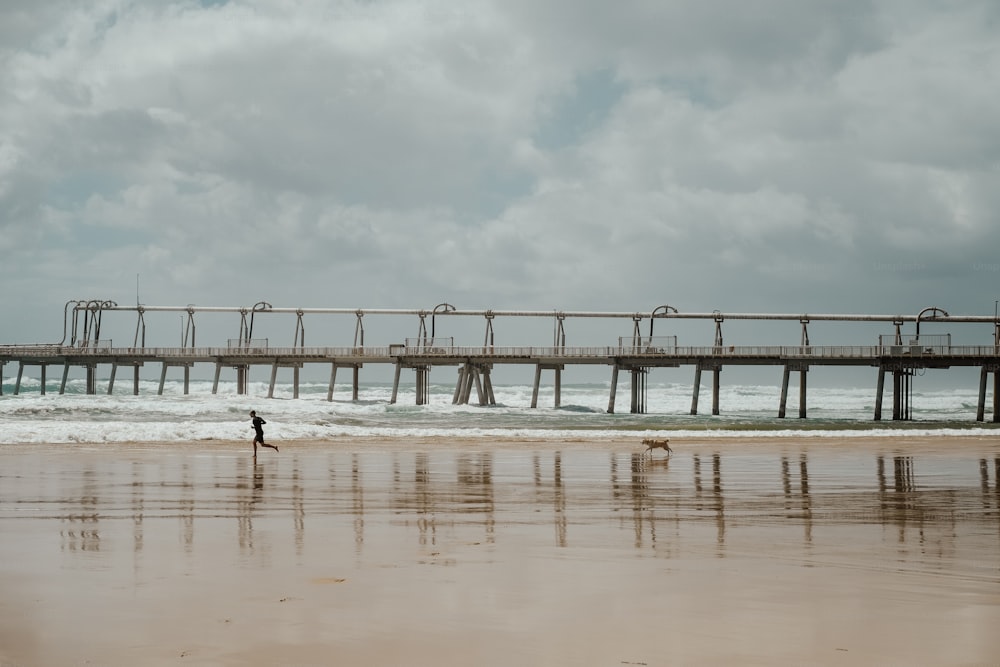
433 490
592 535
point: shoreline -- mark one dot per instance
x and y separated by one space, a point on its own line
898 443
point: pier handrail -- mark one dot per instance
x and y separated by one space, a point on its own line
585 352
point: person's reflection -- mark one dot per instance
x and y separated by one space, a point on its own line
250 486
258 482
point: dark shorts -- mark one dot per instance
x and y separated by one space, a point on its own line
259 438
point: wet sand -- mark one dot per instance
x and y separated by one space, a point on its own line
442 552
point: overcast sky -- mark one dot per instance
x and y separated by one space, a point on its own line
833 156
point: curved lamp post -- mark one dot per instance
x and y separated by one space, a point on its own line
259 306
934 312
652 316
440 308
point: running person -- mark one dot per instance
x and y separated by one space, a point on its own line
258 427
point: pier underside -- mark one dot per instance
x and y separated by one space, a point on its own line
474 384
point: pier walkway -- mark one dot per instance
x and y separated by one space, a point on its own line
898 355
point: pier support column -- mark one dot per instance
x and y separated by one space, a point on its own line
355 375
475 378
65 378
534 387
638 406
895 395
491 399
242 378
111 380
467 376
984 375
215 378
802 392
91 379
472 379
135 380
295 378
538 379
697 388
2 364
456 397
879 390
716 373
614 389
333 380
902 394
423 378
274 378
983 381
42 375
996 400
558 387
908 395
395 382
470 375
20 373
782 402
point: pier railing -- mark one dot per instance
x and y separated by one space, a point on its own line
818 352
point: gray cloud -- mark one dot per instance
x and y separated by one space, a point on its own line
831 156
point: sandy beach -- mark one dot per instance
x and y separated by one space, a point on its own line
752 551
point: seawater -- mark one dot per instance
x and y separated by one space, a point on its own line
751 410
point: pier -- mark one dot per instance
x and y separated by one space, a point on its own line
899 355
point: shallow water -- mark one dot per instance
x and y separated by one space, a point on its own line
513 556
76 417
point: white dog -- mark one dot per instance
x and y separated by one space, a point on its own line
656 443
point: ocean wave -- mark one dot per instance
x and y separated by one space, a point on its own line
746 411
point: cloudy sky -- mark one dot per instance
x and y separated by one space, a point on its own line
835 156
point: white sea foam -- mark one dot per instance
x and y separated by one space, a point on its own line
201 415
